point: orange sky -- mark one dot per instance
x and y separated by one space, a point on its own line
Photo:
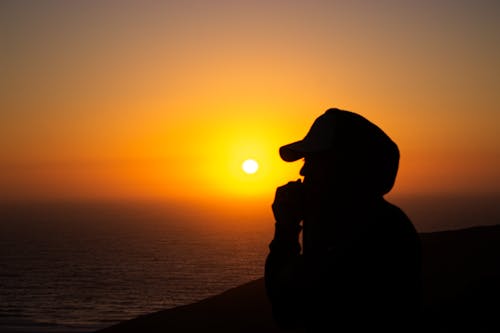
152 100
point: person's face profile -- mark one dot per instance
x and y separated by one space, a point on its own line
324 173
316 169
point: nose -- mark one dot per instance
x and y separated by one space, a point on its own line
303 170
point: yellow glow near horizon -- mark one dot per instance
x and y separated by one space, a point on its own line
168 99
250 166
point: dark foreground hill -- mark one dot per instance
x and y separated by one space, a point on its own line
461 271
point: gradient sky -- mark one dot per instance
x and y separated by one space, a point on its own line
151 99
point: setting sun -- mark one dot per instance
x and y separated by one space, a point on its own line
250 166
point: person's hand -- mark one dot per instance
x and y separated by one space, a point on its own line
288 205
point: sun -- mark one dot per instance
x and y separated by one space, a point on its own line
250 166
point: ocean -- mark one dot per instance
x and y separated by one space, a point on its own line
81 266
77 267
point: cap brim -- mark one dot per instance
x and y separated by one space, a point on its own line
294 151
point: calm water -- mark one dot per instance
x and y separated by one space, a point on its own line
77 267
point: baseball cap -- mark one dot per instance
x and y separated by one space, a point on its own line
332 128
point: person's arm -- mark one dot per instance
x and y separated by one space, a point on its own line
283 267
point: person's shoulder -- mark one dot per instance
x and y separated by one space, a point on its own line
392 209
395 217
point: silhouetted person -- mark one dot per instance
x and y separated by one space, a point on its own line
357 267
